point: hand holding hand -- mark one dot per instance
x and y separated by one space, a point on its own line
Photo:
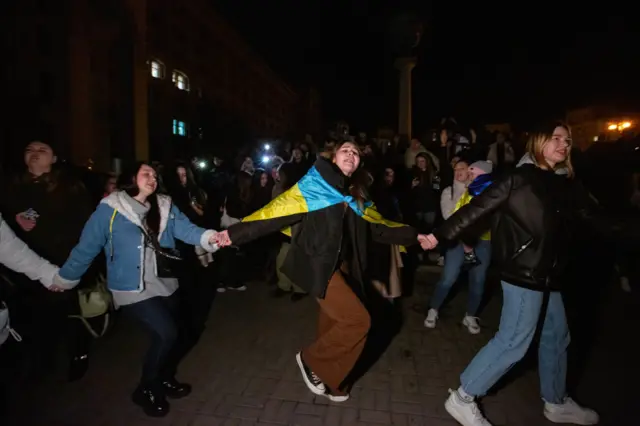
427 242
222 239
25 223
56 289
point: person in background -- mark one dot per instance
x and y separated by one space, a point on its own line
238 204
422 197
110 184
46 206
195 293
415 148
480 178
471 251
284 285
501 154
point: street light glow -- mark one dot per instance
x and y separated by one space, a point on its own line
266 159
620 126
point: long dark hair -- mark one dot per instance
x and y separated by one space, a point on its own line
175 187
127 183
244 186
286 171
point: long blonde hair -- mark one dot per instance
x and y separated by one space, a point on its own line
536 144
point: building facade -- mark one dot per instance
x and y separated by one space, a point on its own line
599 124
139 79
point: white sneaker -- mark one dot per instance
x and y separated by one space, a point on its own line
466 413
337 398
570 412
221 289
471 323
431 319
240 288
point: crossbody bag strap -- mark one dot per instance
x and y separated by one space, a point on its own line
113 218
155 244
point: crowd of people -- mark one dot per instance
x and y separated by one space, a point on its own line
345 223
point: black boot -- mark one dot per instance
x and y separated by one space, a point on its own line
153 402
78 367
298 296
278 292
174 389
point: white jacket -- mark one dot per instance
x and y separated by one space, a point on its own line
16 255
449 198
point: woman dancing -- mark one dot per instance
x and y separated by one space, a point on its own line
535 207
332 225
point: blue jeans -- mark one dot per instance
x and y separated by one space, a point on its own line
453 261
158 317
520 312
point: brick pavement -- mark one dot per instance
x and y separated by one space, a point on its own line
243 373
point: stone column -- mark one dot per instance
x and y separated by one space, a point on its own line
138 13
81 144
405 66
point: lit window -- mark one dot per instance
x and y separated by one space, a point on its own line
157 69
179 128
180 80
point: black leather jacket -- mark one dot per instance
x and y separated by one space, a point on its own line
535 212
318 238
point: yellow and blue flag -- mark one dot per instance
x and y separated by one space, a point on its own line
313 193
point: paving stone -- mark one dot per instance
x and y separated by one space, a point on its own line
244 373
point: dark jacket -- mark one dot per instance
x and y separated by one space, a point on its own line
317 238
535 212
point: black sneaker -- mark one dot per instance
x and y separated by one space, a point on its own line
295 297
312 381
78 367
278 292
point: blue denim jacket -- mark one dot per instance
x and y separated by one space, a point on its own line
120 237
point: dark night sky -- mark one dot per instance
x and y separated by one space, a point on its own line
482 63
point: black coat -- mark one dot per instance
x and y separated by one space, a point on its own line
317 238
535 213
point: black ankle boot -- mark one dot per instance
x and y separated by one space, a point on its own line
153 402
174 389
78 367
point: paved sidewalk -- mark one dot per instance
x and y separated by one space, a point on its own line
243 373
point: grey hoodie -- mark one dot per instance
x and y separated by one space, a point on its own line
526 159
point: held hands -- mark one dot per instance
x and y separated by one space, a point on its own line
427 242
221 239
56 289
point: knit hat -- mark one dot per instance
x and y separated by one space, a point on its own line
485 166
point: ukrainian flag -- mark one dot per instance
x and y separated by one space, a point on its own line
313 193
